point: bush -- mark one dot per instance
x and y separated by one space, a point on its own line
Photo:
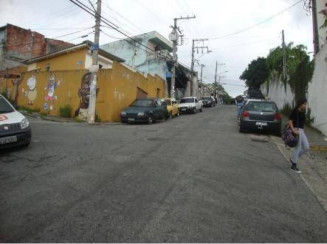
310 120
28 110
4 93
65 111
287 109
97 118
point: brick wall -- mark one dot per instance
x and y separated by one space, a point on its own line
21 44
24 44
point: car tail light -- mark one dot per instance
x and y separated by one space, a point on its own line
277 117
246 114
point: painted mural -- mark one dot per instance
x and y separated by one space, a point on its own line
31 93
51 97
84 96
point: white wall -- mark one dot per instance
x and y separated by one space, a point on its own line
322 32
278 93
317 92
106 63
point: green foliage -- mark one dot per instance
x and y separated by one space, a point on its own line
65 111
43 113
4 93
309 119
324 12
227 99
287 109
301 77
28 109
97 118
256 73
298 65
324 25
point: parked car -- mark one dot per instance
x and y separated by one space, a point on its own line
145 110
190 105
208 101
260 115
172 107
15 129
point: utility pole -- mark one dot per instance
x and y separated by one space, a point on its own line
174 36
193 50
95 67
202 66
284 56
216 72
315 27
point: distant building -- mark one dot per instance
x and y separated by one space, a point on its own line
78 57
148 58
149 53
18 44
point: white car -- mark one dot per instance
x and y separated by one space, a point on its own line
190 105
15 129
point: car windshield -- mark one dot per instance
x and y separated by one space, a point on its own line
187 100
142 103
5 107
257 106
206 98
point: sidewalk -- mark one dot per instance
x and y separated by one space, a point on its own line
313 165
63 120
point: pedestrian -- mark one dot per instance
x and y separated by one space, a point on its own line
239 101
296 123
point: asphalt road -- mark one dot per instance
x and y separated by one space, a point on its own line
189 179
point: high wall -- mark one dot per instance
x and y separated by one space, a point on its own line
322 32
117 88
317 91
275 90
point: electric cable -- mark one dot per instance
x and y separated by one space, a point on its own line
259 23
110 24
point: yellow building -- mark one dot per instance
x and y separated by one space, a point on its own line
62 79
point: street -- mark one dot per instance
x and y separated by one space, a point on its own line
194 178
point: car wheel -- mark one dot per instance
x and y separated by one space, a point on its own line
242 129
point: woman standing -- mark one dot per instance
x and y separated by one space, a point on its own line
296 123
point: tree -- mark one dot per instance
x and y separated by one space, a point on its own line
256 73
298 65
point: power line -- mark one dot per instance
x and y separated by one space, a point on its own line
112 25
113 10
154 14
117 38
260 23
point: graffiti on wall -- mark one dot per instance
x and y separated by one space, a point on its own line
84 96
31 93
51 97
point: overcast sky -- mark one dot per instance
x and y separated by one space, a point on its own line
215 20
